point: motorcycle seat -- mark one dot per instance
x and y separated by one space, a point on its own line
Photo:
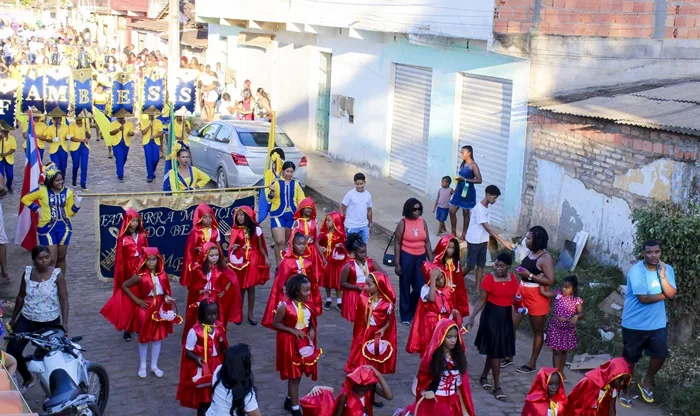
62 387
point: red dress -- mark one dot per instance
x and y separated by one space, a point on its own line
125 315
428 314
334 243
247 260
351 297
308 227
592 395
196 239
371 316
453 390
452 270
129 251
324 404
212 284
188 394
538 402
289 362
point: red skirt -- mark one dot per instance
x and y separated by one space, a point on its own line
256 273
187 393
115 313
317 263
331 278
356 358
349 306
149 330
288 356
319 405
442 405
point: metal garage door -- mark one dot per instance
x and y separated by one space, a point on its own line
485 125
408 160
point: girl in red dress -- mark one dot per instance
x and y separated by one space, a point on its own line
332 243
203 353
374 333
205 229
596 393
247 256
355 398
354 274
546 395
305 221
295 260
446 256
131 241
436 303
146 306
212 279
297 352
443 382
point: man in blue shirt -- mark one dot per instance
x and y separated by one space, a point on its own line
649 283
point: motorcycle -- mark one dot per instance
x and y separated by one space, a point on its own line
73 385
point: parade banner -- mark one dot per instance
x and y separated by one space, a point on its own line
81 97
124 95
153 94
167 220
33 91
56 87
8 103
185 92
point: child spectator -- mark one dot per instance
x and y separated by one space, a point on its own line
442 203
357 209
568 309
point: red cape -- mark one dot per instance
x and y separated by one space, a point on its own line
125 259
453 273
309 228
196 240
591 396
254 270
537 401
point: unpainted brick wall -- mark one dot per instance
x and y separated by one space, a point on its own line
614 18
598 150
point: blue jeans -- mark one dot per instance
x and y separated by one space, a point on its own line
7 171
121 153
410 283
80 162
363 231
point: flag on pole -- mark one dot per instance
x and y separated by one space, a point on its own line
268 175
169 160
27 219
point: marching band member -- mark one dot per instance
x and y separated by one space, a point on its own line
122 132
284 196
39 127
152 131
354 275
332 242
57 135
182 130
79 138
305 221
184 176
8 147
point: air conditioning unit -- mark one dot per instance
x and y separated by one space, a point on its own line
338 103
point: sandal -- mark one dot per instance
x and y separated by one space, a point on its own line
500 397
647 395
523 369
626 403
505 363
485 383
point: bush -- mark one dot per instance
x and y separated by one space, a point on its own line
677 229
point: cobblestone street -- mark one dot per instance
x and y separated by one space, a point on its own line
130 395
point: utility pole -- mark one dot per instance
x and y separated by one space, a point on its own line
173 45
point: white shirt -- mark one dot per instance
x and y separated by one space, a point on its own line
476 233
191 342
357 203
359 273
222 399
159 288
224 108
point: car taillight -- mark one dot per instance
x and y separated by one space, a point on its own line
239 160
303 161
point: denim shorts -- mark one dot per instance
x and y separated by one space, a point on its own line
476 254
441 214
363 231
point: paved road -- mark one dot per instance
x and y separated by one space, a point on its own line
133 396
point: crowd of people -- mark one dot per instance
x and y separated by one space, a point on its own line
313 252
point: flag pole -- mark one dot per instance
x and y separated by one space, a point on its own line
271 139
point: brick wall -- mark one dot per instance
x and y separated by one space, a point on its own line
594 151
614 18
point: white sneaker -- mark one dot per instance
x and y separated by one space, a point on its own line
157 372
142 372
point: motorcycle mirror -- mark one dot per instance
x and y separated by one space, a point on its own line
76 339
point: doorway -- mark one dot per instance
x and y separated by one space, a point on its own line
323 102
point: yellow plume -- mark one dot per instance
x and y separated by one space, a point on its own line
104 125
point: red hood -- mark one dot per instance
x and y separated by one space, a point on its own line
289 252
202 210
386 290
603 375
306 203
205 251
538 390
362 376
248 211
129 215
439 334
441 248
148 252
337 218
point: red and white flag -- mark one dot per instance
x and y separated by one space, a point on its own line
27 219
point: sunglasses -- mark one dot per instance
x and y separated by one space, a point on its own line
417 209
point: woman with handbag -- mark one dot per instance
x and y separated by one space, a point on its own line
412 243
202 354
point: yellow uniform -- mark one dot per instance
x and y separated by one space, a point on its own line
39 127
53 132
124 135
180 134
195 179
155 130
78 132
61 203
7 144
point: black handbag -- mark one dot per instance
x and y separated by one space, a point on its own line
389 259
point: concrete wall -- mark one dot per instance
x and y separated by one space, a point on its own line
585 174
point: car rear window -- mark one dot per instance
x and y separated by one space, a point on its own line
260 139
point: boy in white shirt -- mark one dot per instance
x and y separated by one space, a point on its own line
357 209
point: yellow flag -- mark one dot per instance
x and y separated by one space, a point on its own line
104 125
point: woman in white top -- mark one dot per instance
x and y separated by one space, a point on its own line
234 389
41 301
227 108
